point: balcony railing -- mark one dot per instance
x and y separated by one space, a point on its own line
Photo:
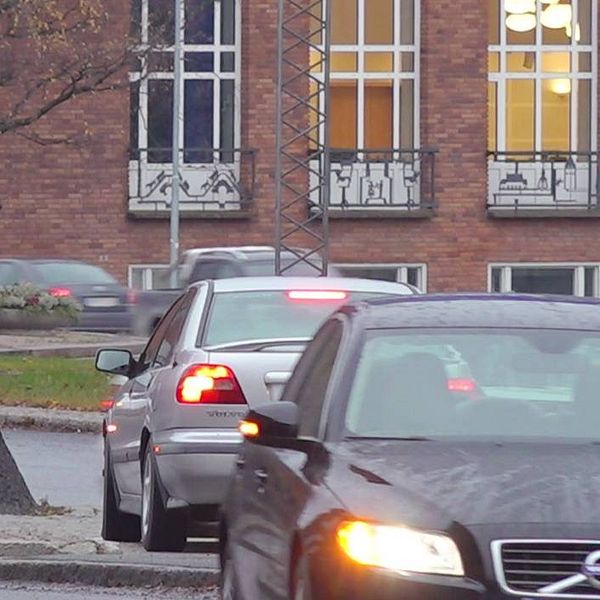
543 182
392 180
212 180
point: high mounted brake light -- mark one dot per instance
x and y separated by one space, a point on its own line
209 384
317 295
461 384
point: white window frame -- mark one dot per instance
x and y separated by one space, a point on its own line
147 274
396 76
502 76
578 278
143 76
401 270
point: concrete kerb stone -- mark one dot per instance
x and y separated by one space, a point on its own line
50 419
105 574
73 351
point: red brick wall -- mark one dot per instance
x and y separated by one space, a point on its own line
72 201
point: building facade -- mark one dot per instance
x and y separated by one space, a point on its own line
464 137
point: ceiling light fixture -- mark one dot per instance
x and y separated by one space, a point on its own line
521 23
569 31
519 7
560 87
557 16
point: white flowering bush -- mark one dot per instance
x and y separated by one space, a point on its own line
31 300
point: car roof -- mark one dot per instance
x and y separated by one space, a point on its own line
243 253
351 284
521 311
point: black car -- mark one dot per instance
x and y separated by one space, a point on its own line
106 304
372 478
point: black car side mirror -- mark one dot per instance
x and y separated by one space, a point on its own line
271 422
115 362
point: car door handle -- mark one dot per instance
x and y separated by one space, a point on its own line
261 476
240 462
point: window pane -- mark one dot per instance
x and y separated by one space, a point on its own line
379 25
227 21
134 108
227 119
407 21
366 272
160 62
344 21
379 62
519 38
584 17
584 115
198 120
200 22
160 120
556 109
554 36
407 115
589 281
520 62
413 276
137 278
556 62
343 113
493 62
136 20
201 62
161 22
540 280
407 62
520 115
585 62
379 118
227 62
493 21
496 279
492 117
343 62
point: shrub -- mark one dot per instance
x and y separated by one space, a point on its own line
29 299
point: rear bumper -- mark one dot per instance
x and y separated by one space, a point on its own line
195 466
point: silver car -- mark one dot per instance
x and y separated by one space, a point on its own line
171 436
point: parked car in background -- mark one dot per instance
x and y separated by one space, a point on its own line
106 304
370 479
171 437
199 264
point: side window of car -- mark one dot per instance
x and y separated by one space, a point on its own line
173 331
148 356
8 273
313 375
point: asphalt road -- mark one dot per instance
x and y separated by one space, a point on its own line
64 468
31 591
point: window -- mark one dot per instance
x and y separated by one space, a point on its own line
412 274
173 331
563 279
211 68
149 277
374 66
542 76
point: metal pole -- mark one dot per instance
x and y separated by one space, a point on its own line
279 202
175 182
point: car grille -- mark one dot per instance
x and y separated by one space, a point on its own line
524 567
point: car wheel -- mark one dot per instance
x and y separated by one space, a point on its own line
117 526
228 582
161 531
301 587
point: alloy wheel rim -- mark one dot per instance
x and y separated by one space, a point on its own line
146 496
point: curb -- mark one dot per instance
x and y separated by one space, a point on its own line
74 351
63 421
105 574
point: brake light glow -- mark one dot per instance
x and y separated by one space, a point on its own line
317 295
209 384
60 292
249 429
461 384
106 404
132 296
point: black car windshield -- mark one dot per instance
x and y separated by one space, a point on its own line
273 314
57 273
487 383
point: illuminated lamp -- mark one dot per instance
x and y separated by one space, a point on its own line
557 16
521 23
560 87
569 31
519 7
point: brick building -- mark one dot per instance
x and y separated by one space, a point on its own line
494 104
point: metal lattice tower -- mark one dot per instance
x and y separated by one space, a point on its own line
303 165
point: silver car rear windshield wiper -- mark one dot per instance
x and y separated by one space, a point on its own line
257 345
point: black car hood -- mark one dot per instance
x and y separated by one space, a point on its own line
434 484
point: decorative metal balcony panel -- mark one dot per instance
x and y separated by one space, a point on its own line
218 180
369 180
543 181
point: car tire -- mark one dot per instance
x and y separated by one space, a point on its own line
117 526
161 531
228 585
301 583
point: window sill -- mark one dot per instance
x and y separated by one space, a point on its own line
418 212
543 212
225 214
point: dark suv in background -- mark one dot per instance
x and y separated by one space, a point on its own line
106 304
